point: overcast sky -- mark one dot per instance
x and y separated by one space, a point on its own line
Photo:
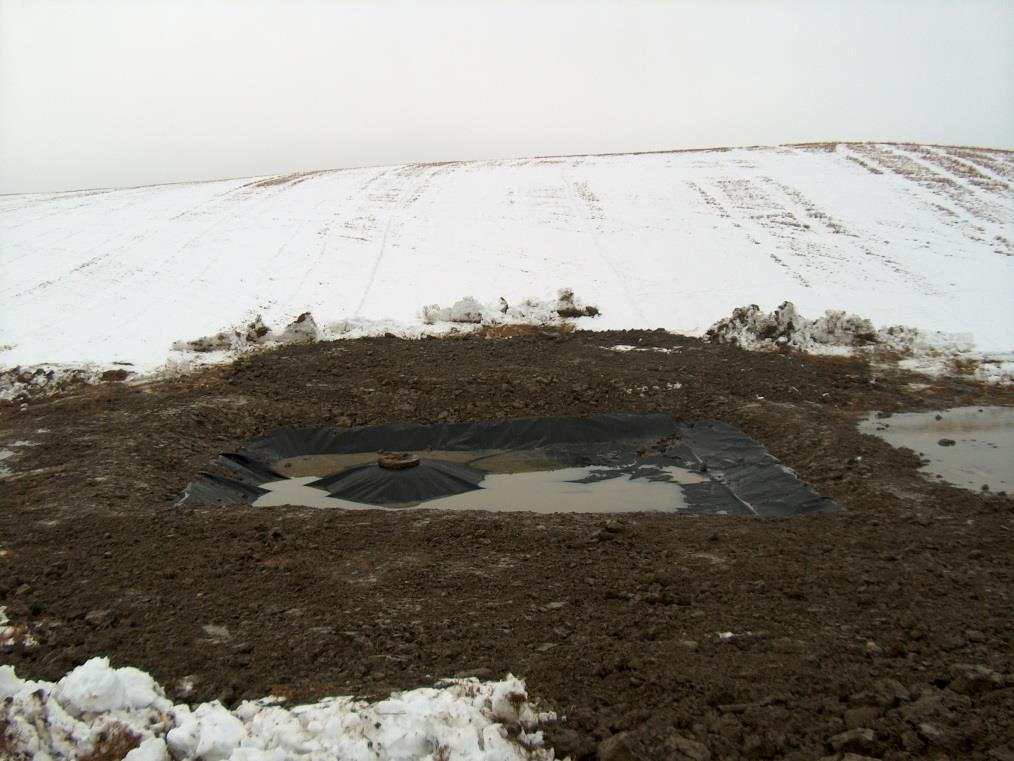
99 93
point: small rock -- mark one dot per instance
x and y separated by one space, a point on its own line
99 618
568 743
947 442
114 376
854 741
217 633
953 642
934 705
228 695
680 748
890 692
932 734
974 679
857 718
910 741
619 747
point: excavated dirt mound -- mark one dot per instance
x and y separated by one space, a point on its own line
883 630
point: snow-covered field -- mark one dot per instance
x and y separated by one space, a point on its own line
915 235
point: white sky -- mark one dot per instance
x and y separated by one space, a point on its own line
99 93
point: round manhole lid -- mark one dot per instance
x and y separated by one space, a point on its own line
397 460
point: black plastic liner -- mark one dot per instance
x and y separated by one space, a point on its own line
743 478
375 485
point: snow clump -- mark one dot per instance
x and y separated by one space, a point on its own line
839 333
751 328
95 705
19 384
253 333
834 332
528 312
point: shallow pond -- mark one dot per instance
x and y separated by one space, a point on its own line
970 447
573 489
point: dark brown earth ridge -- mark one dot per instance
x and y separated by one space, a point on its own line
884 630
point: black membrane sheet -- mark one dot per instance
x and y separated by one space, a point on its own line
743 477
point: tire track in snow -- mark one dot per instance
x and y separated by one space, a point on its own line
113 253
248 204
592 231
407 196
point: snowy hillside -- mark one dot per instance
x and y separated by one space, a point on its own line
917 235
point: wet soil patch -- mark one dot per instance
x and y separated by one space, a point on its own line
893 616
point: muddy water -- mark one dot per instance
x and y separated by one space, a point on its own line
488 460
540 491
970 447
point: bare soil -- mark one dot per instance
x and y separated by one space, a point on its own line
883 630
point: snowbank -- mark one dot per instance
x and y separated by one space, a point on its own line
527 312
836 332
98 709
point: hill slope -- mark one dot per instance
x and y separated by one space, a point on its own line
908 234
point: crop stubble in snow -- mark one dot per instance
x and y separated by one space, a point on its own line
893 616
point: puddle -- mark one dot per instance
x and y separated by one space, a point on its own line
562 490
970 447
488 460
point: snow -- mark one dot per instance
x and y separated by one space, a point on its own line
628 347
7 633
836 332
462 721
669 240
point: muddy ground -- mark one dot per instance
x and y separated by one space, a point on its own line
884 630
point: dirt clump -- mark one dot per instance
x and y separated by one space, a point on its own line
884 630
